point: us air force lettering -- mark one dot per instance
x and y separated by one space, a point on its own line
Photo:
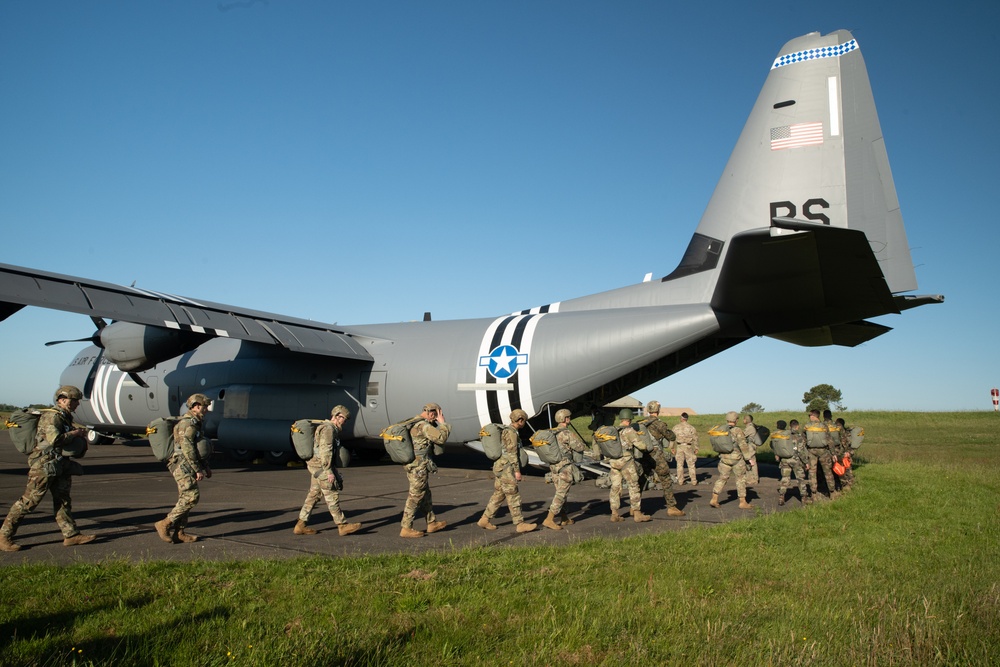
802 240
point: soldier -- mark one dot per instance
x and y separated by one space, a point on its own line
49 471
507 470
796 463
686 450
625 468
661 463
562 472
798 437
750 431
819 444
324 479
429 430
736 462
188 468
847 479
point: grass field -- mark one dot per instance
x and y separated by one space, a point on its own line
905 570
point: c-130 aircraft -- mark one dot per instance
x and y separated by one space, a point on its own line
802 241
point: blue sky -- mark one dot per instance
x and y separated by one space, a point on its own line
365 162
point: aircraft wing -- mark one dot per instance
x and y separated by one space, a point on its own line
21 287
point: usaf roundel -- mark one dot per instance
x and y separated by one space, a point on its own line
503 361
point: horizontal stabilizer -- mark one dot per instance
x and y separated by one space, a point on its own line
847 335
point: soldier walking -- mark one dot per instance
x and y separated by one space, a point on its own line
430 429
188 468
734 462
507 471
686 450
324 480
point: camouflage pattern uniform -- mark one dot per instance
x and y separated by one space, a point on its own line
661 465
505 485
625 468
562 472
843 449
820 452
323 464
750 433
425 435
734 462
686 451
795 464
185 464
48 471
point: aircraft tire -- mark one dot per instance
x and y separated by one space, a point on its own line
277 457
95 438
239 455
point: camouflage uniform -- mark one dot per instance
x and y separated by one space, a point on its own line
326 441
795 464
424 434
184 465
750 433
505 485
842 449
820 452
625 468
687 451
661 466
562 472
734 462
48 471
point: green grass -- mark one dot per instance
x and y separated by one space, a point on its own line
905 570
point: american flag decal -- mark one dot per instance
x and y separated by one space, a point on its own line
793 136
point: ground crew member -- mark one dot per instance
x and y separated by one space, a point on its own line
324 479
562 472
625 469
796 463
429 430
507 471
736 462
661 466
819 444
48 470
188 468
686 450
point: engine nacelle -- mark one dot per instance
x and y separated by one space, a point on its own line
139 347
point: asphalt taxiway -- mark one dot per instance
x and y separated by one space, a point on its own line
247 511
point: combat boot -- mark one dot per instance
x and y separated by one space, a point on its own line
715 500
550 522
184 537
615 517
744 505
348 528
409 532
835 495
639 517
435 526
781 499
675 511
163 529
302 529
7 545
484 523
807 499
565 520
525 527
79 538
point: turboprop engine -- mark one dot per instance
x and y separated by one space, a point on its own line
138 347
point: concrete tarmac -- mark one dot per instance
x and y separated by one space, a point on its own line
248 511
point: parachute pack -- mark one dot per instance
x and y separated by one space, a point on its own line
546 446
491 437
857 436
610 444
303 436
817 436
763 433
781 444
397 441
160 433
23 429
722 442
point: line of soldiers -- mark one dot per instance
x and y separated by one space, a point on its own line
49 470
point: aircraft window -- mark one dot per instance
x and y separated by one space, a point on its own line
702 254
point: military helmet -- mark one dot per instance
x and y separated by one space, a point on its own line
340 410
68 391
625 413
653 407
562 414
432 406
518 414
198 399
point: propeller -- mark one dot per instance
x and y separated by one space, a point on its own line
95 339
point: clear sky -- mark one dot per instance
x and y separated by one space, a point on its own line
361 162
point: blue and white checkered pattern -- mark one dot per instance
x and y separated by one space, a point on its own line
815 54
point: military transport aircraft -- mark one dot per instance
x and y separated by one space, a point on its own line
802 241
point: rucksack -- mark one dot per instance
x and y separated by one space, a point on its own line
781 444
161 437
722 441
397 441
763 433
491 437
647 437
303 435
607 439
857 436
22 425
546 446
817 436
